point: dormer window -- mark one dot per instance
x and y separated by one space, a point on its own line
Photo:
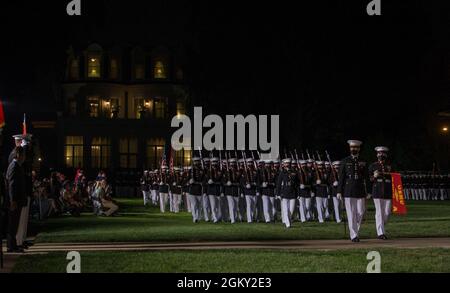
94 70
160 70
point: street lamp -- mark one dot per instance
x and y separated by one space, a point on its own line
445 129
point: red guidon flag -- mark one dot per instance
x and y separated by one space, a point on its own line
2 115
398 199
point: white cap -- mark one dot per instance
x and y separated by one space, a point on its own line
353 142
214 159
336 163
195 159
286 161
381 149
303 162
232 160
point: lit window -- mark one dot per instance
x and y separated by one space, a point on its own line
155 149
100 152
160 70
114 69
73 151
180 108
94 65
93 107
114 108
74 69
128 153
160 108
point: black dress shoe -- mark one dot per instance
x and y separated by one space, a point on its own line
382 237
355 240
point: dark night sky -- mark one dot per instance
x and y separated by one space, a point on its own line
326 67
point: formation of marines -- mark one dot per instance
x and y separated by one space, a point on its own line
233 189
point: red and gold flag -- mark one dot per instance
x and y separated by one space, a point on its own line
398 198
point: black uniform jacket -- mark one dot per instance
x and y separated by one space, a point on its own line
353 178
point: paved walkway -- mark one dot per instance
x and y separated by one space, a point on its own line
407 243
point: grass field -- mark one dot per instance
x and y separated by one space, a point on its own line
242 261
139 224
136 223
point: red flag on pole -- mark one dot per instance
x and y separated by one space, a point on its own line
24 125
398 199
2 115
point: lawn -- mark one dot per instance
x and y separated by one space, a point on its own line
137 223
242 261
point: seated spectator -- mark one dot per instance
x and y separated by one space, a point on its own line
105 198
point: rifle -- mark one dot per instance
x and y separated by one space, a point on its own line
220 160
201 157
315 166
333 174
245 167
254 161
300 168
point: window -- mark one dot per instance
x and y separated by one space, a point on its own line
182 158
94 65
115 108
74 69
128 153
72 107
154 152
160 70
100 152
93 107
142 107
160 108
180 108
114 69
73 150
139 74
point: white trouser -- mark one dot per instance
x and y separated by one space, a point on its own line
187 204
233 202
155 198
215 207
382 212
355 208
325 206
268 203
309 213
170 202
206 207
337 209
145 196
287 209
21 235
302 209
250 201
163 199
320 208
196 204
224 208
176 198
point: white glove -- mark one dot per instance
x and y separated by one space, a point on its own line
222 195
264 185
257 194
247 186
369 196
210 181
174 184
191 181
312 194
339 196
376 174
161 183
228 183
302 186
242 195
335 183
318 182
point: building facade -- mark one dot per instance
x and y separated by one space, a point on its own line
116 108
